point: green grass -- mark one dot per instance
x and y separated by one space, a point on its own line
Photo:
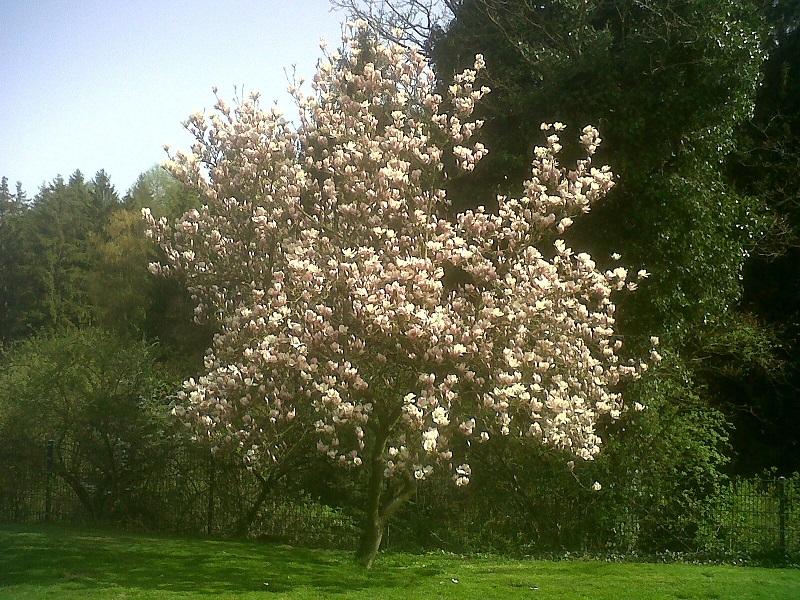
60 562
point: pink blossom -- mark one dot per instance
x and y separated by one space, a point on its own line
323 254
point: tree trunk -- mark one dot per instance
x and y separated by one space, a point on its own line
374 525
266 486
84 497
378 513
371 539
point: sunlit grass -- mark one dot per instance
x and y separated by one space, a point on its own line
59 562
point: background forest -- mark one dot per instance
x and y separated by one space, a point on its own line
698 103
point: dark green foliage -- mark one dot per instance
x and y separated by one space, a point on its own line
11 206
79 301
47 256
669 84
103 401
77 255
766 164
663 466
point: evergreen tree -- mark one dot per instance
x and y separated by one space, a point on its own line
104 197
77 256
12 208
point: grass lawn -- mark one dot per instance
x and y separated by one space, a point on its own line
61 562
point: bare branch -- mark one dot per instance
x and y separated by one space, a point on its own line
405 22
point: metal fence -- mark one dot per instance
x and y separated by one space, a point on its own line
754 518
29 492
190 491
761 516
193 492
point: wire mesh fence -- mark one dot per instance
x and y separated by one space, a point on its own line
193 492
189 491
761 516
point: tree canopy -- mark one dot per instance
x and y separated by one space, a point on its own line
345 298
385 285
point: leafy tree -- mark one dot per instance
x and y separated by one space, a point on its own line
350 308
160 308
49 258
103 401
12 207
77 256
670 84
765 165
164 195
667 82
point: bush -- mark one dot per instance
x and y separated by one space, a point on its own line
104 404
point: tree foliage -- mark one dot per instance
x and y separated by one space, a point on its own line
76 256
364 305
348 302
667 82
765 164
102 400
47 258
671 84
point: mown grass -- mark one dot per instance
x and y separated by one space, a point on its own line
60 562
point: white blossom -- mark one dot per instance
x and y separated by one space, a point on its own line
324 250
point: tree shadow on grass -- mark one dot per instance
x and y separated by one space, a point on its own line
98 560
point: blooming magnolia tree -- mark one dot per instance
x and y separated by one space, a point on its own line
347 303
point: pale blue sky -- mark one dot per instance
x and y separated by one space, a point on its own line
91 84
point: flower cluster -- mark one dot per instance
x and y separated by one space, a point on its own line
348 302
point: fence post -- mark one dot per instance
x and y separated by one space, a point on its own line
212 481
48 503
782 518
